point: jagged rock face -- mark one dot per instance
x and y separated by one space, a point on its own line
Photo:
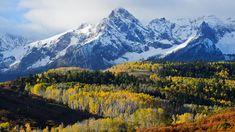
121 38
8 44
8 41
199 49
202 48
119 33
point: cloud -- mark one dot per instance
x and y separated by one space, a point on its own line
64 14
46 17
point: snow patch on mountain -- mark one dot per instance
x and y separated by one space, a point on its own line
134 56
73 41
8 41
180 46
11 49
42 62
46 42
165 41
17 52
227 43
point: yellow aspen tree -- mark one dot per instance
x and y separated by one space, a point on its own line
28 127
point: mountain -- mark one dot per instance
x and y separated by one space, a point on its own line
10 46
201 46
122 38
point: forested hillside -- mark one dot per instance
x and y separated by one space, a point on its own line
136 96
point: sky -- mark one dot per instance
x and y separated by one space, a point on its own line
37 19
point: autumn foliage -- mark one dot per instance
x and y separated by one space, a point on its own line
143 96
222 121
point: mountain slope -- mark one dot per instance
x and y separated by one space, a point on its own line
11 47
201 48
122 38
19 108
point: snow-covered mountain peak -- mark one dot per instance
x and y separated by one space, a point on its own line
121 14
162 28
230 20
161 24
119 38
11 48
205 28
85 27
122 25
82 32
9 41
211 20
47 42
207 32
159 20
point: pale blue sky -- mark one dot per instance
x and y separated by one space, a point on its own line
43 18
10 10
